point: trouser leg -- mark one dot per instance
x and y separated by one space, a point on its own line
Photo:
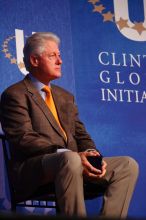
65 169
122 173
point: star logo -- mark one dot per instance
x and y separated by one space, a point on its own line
13 61
6 49
99 8
107 16
93 1
21 65
122 23
138 26
8 55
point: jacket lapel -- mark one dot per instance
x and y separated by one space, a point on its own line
42 105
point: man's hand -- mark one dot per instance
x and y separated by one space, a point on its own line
89 171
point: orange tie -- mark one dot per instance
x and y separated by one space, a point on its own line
50 103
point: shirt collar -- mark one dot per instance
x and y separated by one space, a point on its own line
38 85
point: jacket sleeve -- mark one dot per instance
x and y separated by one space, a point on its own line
16 124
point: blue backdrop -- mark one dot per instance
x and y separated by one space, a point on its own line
104 65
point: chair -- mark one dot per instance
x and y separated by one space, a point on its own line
40 199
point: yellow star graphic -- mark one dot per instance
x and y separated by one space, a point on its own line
122 23
4 45
13 61
5 50
10 38
5 42
98 8
21 65
139 27
108 16
93 1
8 55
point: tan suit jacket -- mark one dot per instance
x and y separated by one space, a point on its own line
32 130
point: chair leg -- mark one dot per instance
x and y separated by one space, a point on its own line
13 207
57 208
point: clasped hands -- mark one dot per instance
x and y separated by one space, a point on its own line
90 171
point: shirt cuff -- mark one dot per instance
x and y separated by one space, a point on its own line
90 149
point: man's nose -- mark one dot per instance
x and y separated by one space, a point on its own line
59 60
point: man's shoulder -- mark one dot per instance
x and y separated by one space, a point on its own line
14 88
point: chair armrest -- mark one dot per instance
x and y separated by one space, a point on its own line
2 136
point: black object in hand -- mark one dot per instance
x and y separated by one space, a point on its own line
95 161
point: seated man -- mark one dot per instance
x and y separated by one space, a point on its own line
49 143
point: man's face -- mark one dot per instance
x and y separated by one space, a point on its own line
49 63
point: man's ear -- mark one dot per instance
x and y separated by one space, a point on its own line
34 60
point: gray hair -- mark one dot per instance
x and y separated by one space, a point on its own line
35 44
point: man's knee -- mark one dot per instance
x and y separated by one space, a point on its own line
132 165
71 161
